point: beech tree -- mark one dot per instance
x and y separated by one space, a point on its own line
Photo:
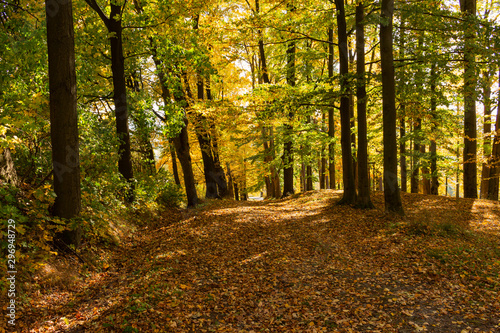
63 115
391 189
468 8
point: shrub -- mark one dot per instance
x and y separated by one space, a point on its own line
170 195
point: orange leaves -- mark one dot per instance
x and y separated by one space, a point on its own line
293 265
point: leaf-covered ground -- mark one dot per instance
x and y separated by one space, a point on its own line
301 264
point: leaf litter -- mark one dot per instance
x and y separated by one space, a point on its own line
301 264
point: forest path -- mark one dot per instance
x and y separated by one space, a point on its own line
295 265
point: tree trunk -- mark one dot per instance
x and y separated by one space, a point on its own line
363 199
331 120
114 25
236 191
181 143
468 8
120 98
391 190
349 196
202 134
230 189
402 151
174 162
416 156
288 144
220 176
485 172
493 186
426 183
402 107
275 177
434 186
309 178
64 116
181 140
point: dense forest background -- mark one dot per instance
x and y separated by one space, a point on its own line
136 104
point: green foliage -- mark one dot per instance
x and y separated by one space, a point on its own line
170 195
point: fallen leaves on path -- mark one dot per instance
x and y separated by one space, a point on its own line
300 264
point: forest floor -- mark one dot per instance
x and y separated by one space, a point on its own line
301 264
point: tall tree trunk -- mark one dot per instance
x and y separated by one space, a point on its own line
402 150
322 163
288 144
416 156
426 183
64 116
331 120
485 172
230 189
468 8
493 186
202 134
120 98
363 199
275 177
181 143
309 178
270 188
434 186
402 107
391 190
349 196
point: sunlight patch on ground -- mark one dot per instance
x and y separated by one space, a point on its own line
486 216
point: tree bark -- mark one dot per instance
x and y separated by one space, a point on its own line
468 8
493 185
485 172
331 120
230 190
392 196
416 156
434 185
288 144
402 151
363 199
402 106
64 116
349 196
204 140
426 183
